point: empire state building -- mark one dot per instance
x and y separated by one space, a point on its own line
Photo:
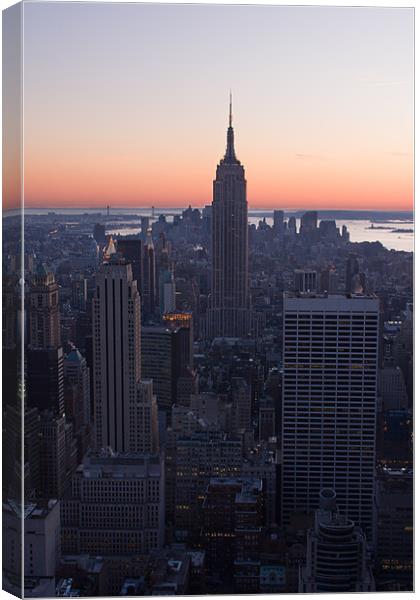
229 308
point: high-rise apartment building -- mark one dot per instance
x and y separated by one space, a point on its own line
229 308
330 354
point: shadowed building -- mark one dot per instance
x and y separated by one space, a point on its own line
337 558
229 312
330 351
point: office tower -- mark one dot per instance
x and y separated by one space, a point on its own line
183 323
99 235
352 274
199 457
392 389
291 225
116 355
328 230
132 251
32 464
306 280
45 379
266 419
187 385
241 404
330 354
207 212
52 455
336 556
57 453
77 398
229 308
394 527
328 280
148 287
12 452
44 316
232 528
144 226
76 373
264 465
79 292
345 234
116 506
41 522
278 221
157 358
45 387
308 222
167 292
146 438
166 356
10 363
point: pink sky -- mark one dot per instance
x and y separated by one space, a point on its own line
127 104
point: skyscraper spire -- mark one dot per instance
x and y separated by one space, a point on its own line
230 148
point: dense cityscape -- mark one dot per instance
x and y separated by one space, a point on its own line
210 406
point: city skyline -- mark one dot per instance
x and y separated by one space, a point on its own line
214 400
323 107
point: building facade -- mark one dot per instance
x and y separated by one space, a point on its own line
229 312
116 507
116 355
336 555
330 353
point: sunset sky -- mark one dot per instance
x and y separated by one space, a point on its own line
127 104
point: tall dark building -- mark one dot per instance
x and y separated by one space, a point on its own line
355 279
330 353
229 310
291 225
166 355
45 378
148 286
116 355
99 235
131 250
278 222
233 516
308 222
